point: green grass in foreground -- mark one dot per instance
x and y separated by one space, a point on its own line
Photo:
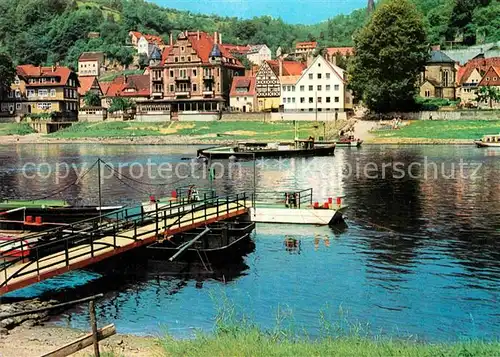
211 130
443 129
253 342
15 129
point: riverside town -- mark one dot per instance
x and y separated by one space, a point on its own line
249 178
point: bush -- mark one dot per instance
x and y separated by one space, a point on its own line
433 104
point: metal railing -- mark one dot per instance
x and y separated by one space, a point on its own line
303 197
79 236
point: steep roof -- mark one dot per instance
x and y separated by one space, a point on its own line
157 40
256 48
91 56
86 84
344 51
61 74
481 64
439 57
243 83
236 48
289 79
122 86
491 77
136 34
290 68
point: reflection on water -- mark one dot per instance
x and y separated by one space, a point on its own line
421 255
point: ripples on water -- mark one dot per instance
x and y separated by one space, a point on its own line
420 257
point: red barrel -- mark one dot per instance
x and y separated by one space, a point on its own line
152 199
29 219
330 200
316 205
174 194
326 205
339 201
38 220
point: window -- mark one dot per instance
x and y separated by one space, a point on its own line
17 81
487 78
43 92
171 87
284 100
302 99
245 98
189 58
18 93
195 87
319 99
319 87
293 88
327 87
319 64
194 72
311 100
172 73
182 48
237 99
176 59
289 88
494 78
301 88
52 92
182 58
336 99
284 88
52 80
328 76
43 80
44 106
18 106
427 93
328 99
336 87
311 88
310 76
319 75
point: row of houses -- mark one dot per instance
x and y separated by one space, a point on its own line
444 77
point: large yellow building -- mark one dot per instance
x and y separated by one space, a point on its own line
40 90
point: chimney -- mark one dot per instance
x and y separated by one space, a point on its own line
215 37
280 63
220 39
171 40
198 34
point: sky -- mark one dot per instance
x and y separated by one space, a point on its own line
291 11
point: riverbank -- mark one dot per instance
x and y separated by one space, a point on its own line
234 342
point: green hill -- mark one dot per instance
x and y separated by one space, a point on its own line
49 31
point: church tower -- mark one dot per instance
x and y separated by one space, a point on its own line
371 6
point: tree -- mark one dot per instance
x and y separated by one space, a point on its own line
7 73
390 52
120 104
487 94
143 61
92 99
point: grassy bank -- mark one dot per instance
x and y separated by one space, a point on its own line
439 130
253 342
223 130
15 129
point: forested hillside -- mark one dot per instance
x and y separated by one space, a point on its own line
49 31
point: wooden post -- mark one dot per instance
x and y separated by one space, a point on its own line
93 323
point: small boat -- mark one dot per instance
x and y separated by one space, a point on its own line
218 243
298 208
39 211
299 148
488 141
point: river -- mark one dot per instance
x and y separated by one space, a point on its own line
420 256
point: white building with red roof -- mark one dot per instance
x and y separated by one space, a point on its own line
320 88
243 97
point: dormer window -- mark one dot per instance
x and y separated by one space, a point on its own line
52 80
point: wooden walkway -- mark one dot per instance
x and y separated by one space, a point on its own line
24 274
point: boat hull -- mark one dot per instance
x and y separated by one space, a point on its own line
218 154
296 216
60 214
482 144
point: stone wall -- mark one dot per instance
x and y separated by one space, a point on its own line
286 116
198 117
153 117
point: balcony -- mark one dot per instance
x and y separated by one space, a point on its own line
157 95
184 94
183 79
208 93
157 79
208 77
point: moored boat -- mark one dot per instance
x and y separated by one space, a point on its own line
342 143
488 141
299 148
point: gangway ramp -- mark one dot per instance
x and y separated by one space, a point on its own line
110 238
